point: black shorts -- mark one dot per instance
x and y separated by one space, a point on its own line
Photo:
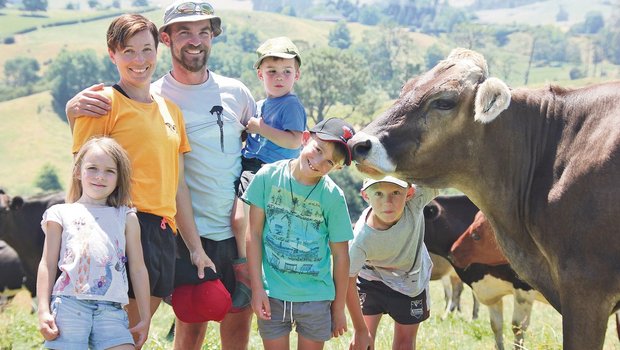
222 253
377 298
249 167
159 249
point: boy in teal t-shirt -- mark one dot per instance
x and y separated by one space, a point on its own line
298 222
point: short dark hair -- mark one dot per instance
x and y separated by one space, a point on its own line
125 27
340 150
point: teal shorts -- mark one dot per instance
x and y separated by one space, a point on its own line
312 319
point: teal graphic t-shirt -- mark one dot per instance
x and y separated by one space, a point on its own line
300 221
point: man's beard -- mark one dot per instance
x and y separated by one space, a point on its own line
195 64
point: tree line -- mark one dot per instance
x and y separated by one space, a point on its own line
344 77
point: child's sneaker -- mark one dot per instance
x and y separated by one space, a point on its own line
242 296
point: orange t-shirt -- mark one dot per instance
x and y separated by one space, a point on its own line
153 134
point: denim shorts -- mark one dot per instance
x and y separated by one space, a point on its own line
88 323
312 319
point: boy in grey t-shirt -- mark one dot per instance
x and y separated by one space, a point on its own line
390 278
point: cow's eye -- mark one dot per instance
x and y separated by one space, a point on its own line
475 236
444 104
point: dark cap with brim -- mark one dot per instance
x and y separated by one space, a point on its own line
335 130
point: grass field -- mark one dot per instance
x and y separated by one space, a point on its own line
32 135
18 329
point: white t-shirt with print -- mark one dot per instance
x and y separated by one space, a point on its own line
92 252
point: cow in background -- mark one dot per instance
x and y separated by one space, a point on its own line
445 219
477 245
11 274
452 286
20 227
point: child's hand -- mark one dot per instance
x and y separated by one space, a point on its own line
47 326
339 323
140 332
362 341
254 125
260 304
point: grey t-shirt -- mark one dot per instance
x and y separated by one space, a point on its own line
215 113
388 256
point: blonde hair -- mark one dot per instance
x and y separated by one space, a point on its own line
121 194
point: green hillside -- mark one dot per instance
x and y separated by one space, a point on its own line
31 136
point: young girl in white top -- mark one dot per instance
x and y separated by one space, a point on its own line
90 239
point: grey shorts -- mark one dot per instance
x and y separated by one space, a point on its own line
312 319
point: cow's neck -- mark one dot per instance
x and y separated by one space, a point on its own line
522 137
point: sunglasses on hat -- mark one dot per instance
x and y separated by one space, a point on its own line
195 7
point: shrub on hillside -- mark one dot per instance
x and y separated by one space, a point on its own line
576 73
47 180
71 72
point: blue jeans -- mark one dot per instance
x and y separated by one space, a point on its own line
87 324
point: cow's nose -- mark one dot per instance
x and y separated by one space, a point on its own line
360 148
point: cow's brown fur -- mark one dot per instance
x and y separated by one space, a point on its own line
545 172
477 245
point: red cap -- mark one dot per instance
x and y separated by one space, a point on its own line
207 301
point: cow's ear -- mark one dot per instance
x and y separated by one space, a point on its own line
492 98
17 203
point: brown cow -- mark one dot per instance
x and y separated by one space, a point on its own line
452 286
543 165
445 218
477 245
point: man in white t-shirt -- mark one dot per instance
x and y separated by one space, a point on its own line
216 110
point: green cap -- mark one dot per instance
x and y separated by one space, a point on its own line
281 47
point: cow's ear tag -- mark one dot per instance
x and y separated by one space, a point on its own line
492 98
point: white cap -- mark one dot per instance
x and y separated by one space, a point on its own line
390 179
